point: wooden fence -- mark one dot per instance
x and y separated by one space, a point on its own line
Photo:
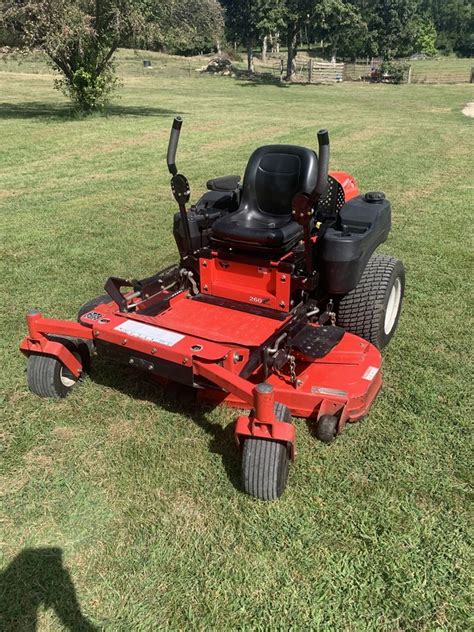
420 74
314 71
357 72
324 72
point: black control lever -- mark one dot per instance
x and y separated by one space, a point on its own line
173 145
323 166
179 183
303 203
112 287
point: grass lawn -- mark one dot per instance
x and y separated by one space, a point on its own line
123 502
441 70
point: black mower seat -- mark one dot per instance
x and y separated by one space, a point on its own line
263 220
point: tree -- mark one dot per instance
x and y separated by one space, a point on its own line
186 26
250 21
80 38
241 23
454 23
269 21
343 27
390 26
241 20
298 16
424 35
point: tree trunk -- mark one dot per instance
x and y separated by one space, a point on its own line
333 56
264 48
250 66
277 43
291 58
218 47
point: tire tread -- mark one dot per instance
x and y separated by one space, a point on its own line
361 310
262 463
43 376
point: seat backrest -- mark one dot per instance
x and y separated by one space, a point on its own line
274 174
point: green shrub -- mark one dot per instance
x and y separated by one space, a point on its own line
88 91
397 71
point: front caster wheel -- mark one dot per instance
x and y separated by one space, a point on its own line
265 468
47 377
265 463
326 428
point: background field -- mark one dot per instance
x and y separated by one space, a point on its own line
139 492
436 70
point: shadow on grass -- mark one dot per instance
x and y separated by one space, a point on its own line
175 398
36 579
63 111
253 80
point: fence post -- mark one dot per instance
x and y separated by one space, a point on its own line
310 71
281 69
471 80
410 68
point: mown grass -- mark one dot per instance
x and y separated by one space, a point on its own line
140 492
441 70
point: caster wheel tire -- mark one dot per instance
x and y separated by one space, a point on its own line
326 428
92 304
372 309
265 463
47 377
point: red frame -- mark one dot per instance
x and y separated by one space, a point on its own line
257 285
215 342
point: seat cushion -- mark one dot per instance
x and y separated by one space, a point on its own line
257 229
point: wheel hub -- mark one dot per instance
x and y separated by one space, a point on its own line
392 306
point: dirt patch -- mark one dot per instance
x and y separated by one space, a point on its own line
121 431
469 109
64 433
13 484
187 514
35 458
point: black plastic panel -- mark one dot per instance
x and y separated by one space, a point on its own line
345 248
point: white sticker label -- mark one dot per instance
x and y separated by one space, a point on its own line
148 332
370 373
321 390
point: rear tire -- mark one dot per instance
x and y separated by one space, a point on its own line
372 309
47 377
92 304
265 463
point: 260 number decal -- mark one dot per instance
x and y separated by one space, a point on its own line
259 300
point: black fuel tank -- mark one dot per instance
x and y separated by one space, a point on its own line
344 249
